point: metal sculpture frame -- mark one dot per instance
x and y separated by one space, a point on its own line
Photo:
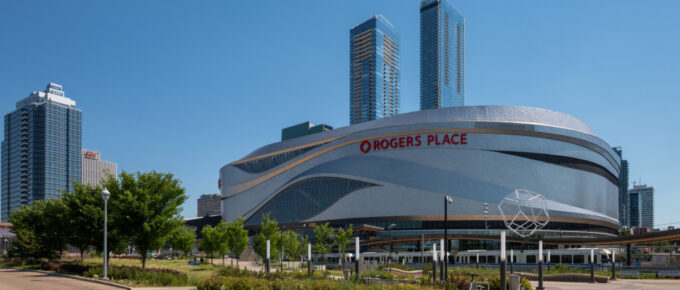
523 211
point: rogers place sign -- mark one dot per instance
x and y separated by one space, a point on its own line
413 141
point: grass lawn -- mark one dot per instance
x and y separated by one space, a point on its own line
195 273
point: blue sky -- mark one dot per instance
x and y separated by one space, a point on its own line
188 86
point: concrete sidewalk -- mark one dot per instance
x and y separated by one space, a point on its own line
630 284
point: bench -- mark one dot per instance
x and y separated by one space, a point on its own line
629 273
668 274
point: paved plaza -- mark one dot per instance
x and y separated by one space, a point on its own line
629 284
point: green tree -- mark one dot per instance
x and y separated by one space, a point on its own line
342 238
211 241
147 206
40 228
322 240
269 230
291 244
304 242
237 238
183 239
85 217
223 232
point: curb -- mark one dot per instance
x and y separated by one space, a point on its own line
73 277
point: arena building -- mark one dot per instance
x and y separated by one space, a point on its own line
396 170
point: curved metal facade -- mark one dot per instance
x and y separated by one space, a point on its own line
398 168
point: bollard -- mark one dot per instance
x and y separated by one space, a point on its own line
613 266
592 266
503 257
512 261
357 270
309 259
434 262
540 266
266 265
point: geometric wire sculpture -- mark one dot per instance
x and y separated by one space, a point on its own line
524 212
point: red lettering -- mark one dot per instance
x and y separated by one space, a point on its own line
436 140
418 141
409 141
365 146
401 142
394 143
385 144
446 139
463 138
453 140
376 144
430 139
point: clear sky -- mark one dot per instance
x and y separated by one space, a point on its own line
188 86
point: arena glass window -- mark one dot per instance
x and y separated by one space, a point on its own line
307 198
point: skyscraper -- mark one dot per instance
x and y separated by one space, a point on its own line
41 148
623 189
442 55
95 169
373 70
641 206
209 204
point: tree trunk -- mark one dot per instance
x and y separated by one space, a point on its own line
237 258
232 261
223 264
143 259
81 254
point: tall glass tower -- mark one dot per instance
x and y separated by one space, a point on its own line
623 189
373 70
641 206
442 55
41 149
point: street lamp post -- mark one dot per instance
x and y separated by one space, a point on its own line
447 201
105 196
390 261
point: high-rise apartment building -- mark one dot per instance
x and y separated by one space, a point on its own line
442 55
641 206
623 189
209 204
373 70
94 169
41 148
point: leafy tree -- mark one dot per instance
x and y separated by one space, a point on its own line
183 239
342 238
291 244
85 217
237 238
40 228
269 230
147 206
304 241
322 239
223 232
211 242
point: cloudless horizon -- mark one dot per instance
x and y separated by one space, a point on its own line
187 87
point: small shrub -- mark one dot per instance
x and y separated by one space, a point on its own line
156 277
